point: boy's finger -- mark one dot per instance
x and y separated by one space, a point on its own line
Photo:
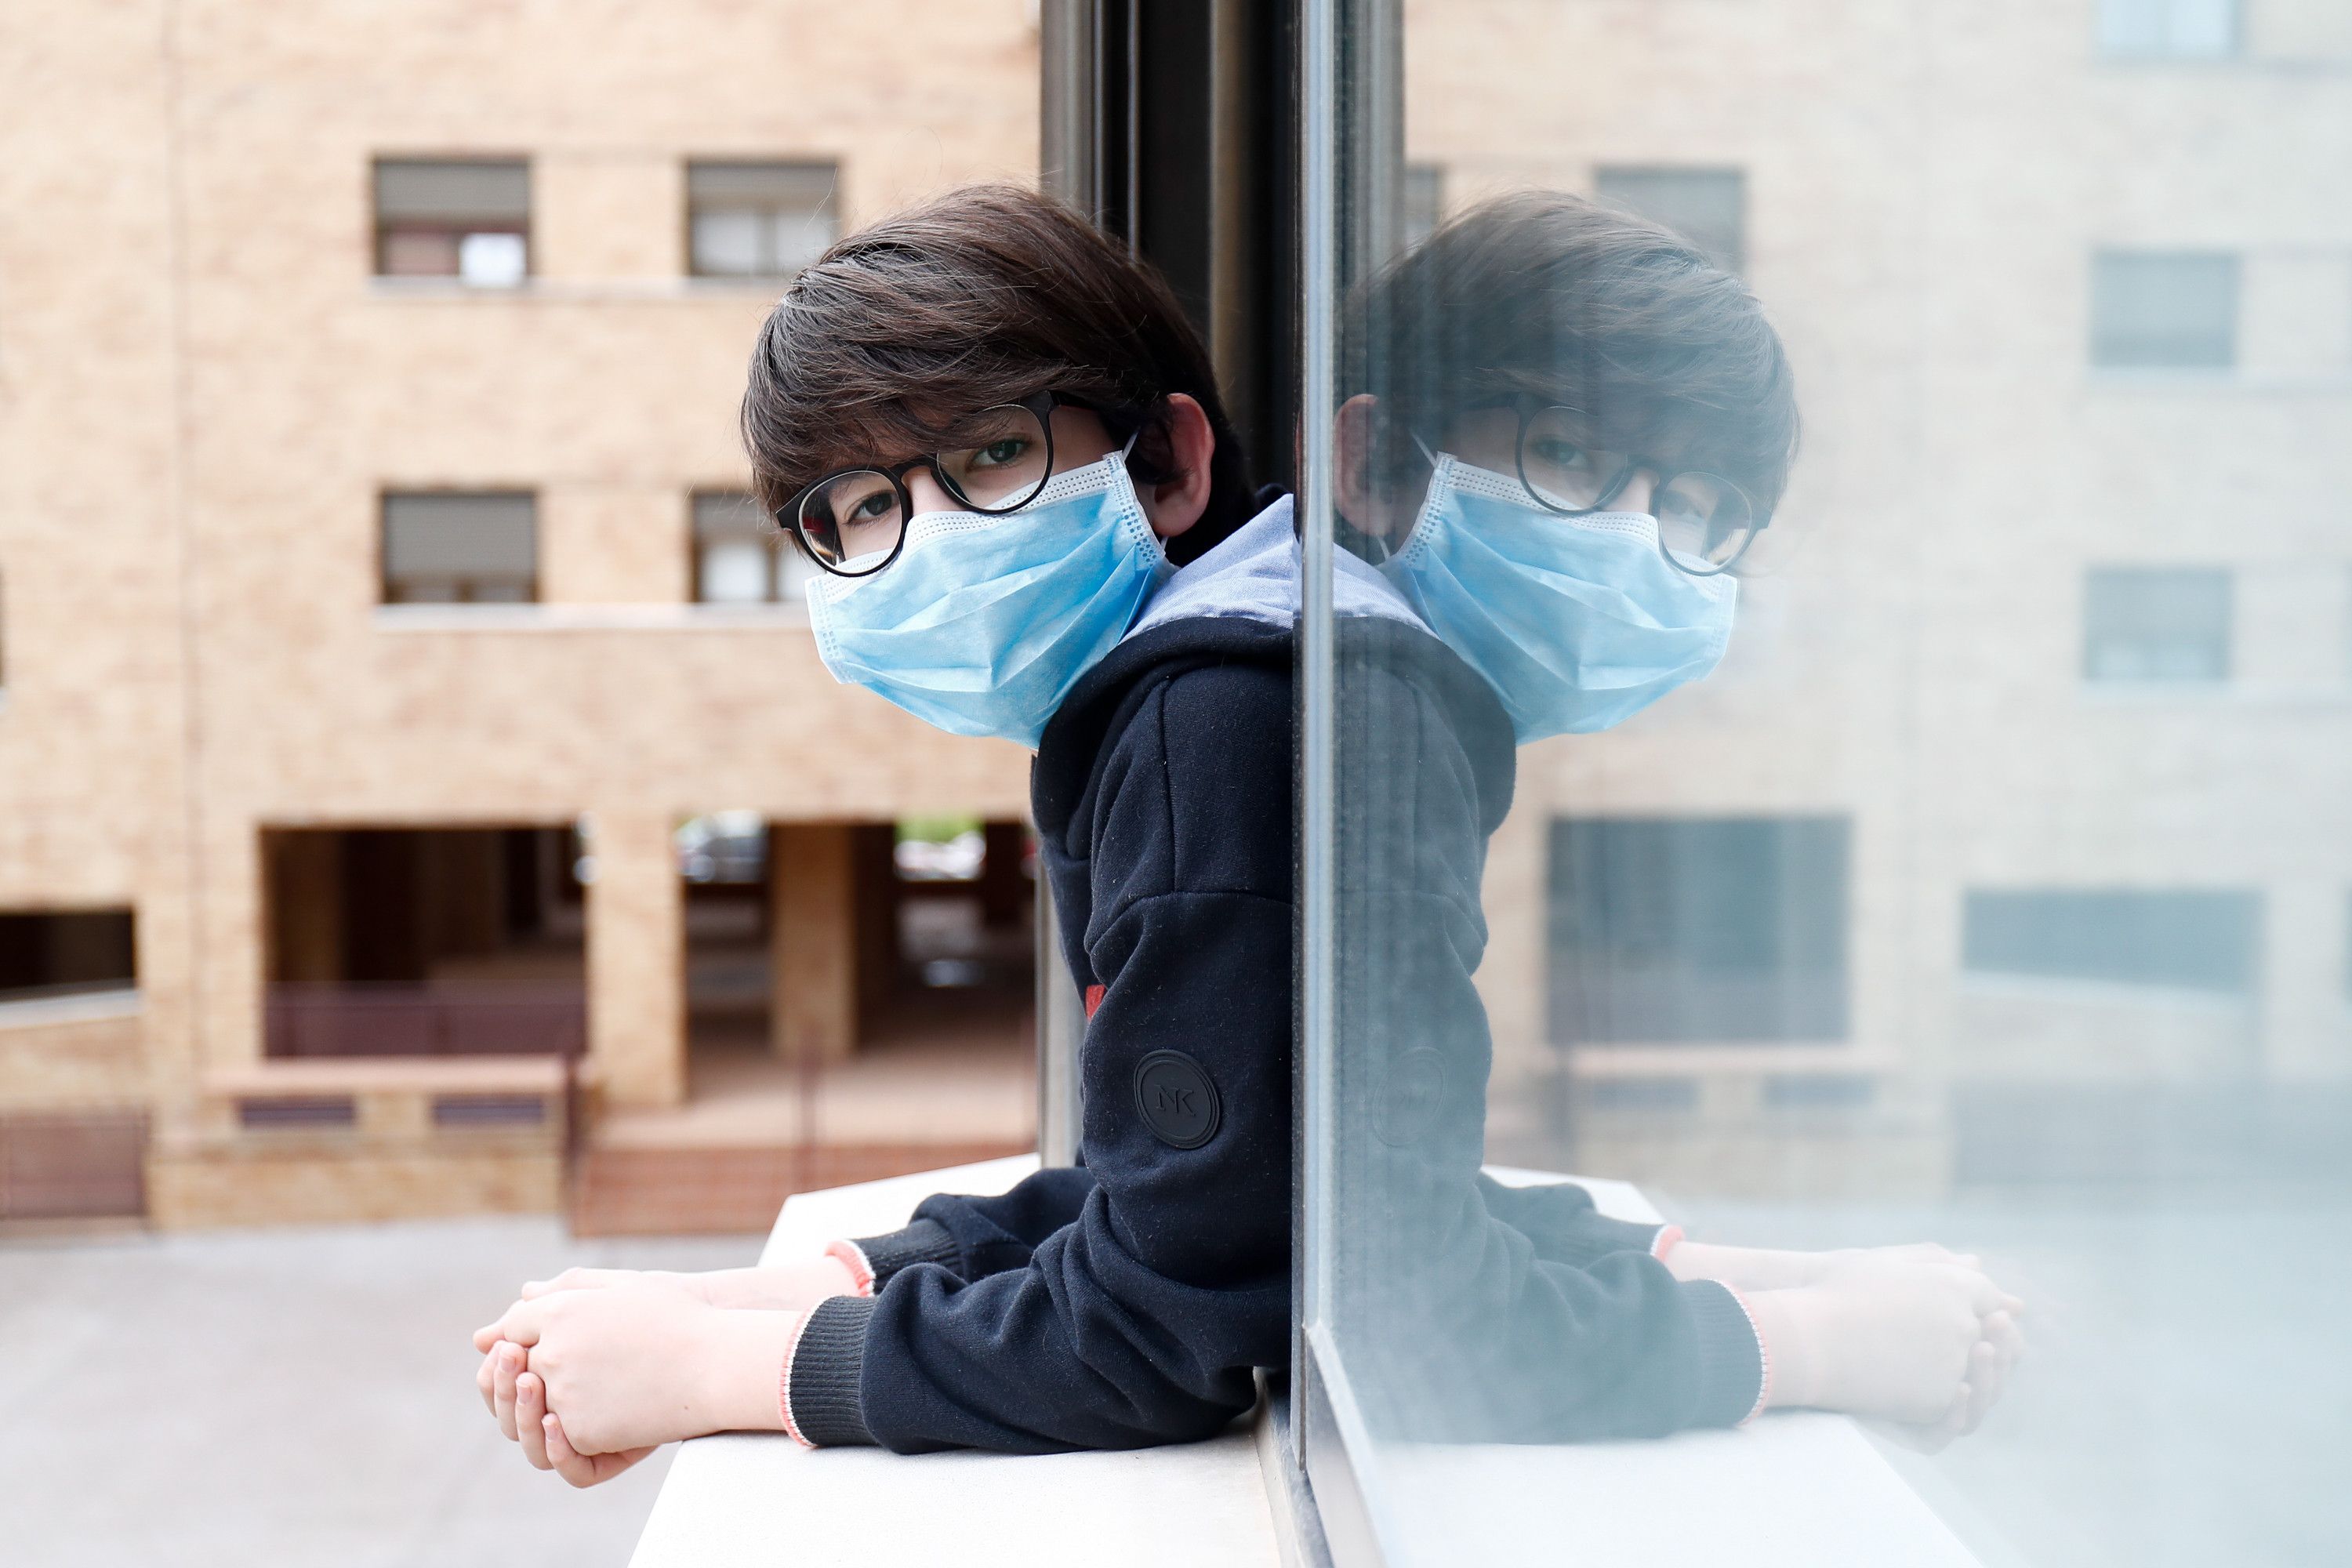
531 1420
485 1379
571 1464
486 1336
509 1364
1986 1376
521 1321
2006 1337
585 1469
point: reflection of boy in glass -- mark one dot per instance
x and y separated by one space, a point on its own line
1568 429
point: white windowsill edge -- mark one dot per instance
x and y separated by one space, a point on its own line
562 617
535 289
1790 1489
80 1007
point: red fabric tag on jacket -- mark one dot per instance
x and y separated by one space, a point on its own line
1094 999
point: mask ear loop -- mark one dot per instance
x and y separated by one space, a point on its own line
1436 464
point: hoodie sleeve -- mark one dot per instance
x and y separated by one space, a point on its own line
1139 1319
975 1236
1558 1219
1479 1313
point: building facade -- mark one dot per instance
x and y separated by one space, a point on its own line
2010 834
370 564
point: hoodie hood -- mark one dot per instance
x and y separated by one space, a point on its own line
1255 574
1239 603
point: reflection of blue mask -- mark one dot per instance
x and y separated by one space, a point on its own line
983 624
1578 623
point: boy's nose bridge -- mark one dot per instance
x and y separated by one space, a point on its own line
926 493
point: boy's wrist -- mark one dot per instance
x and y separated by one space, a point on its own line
1783 1321
741 1367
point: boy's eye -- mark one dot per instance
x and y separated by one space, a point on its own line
1001 451
1556 454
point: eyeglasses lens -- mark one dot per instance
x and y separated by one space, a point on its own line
1004 462
1558 464
853 521
1705 522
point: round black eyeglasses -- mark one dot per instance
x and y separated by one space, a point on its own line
1705 522
853 521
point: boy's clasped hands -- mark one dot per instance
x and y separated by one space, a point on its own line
595 1369
592 1371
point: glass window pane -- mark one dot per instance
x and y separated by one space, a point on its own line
733 571
1961 864
441 547
2164 311
760 220
1707 206
2156 624
729 240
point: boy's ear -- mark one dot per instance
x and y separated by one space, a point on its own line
1177 503
1358 437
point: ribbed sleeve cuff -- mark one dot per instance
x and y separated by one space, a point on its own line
1731 1356
925 1241
822 1370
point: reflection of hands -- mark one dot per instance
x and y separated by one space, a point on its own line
632 1365
1920 1341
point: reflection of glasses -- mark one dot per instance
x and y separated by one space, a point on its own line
853 521
1705 522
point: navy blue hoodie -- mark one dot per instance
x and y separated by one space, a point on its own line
1127 1302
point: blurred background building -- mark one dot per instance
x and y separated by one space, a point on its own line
393 680
2010 844
412 757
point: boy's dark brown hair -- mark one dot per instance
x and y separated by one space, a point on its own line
1547 294
981 297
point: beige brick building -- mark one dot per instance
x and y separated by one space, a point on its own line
2034 732
265 270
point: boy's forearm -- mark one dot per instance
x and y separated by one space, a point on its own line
782 1286
1743 1268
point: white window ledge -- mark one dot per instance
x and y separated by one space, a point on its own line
439 290
74 1007
1790 1490
560 618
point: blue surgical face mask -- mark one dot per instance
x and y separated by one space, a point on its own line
1578 623
983 624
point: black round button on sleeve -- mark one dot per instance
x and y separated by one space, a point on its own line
1176 1099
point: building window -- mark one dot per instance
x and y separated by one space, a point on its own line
740 558
758 220
461 549
2164 311
1707 206
1424 201
466 218
2156 624
53 952
2204 941
1698 928
2168 29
